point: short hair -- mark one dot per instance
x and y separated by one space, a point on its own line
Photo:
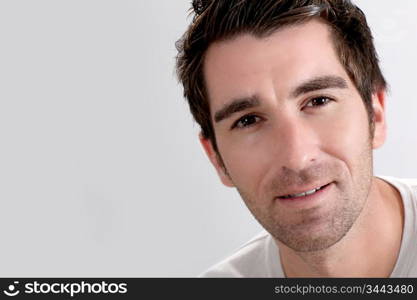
217 20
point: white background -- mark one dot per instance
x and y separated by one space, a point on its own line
101 172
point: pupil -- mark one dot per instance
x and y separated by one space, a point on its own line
248 120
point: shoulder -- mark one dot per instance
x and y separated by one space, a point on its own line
407 260
406 186
408 190
255 258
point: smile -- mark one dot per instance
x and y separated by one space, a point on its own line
303 194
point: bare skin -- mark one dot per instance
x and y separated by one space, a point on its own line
378 246
288 119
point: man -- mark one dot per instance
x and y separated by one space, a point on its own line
291 100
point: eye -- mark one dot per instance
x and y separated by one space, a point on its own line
318 101
246 121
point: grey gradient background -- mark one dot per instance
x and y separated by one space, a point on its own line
101 172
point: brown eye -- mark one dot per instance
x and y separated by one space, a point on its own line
318 101
246 121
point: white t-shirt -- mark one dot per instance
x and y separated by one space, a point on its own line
260 256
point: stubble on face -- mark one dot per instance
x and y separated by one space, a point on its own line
314 228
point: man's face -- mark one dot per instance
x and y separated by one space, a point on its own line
288 120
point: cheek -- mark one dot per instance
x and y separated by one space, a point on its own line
246 163
347 137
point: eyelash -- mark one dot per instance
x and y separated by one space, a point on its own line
236 124
245 117
320 97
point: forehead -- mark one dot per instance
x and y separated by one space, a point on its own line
248 65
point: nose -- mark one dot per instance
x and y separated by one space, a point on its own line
297 144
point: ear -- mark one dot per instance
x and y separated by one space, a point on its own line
216 161
380 128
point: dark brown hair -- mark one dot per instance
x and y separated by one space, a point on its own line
216 20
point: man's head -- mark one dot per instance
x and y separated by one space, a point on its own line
290 99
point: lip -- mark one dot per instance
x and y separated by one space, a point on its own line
304 189
310 199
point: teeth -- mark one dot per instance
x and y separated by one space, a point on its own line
302 194
311 192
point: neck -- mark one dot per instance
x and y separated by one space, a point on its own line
369 249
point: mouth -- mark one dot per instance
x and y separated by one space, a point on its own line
304 194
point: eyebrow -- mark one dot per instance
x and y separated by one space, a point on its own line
235 106
314 84
319 83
